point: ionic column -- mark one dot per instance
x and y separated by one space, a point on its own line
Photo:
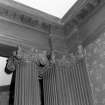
50 87
56 85
26 82
63 85
67 82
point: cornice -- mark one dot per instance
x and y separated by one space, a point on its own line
85 12
19 17
97 27
73 11
58 30
8 11
14 15
74 36
33 12
40 24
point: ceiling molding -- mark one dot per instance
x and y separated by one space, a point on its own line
85 12
21 18
17 13
61 30
14 15
83 32
73 11
93 29
33 12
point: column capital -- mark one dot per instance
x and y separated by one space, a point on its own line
29 54
43 59
25 54
68 58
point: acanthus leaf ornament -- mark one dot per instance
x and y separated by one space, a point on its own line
40 58
43 59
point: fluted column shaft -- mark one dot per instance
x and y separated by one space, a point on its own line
26 63
26 84
80 86
63 85
50 87
57 87
67 83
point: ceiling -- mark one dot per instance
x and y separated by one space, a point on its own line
57 8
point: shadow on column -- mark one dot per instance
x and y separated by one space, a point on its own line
41 91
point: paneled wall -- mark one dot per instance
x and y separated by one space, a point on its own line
96 68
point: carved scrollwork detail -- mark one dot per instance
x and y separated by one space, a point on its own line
43 59
11 63
40 58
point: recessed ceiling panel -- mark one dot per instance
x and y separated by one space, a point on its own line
56 8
